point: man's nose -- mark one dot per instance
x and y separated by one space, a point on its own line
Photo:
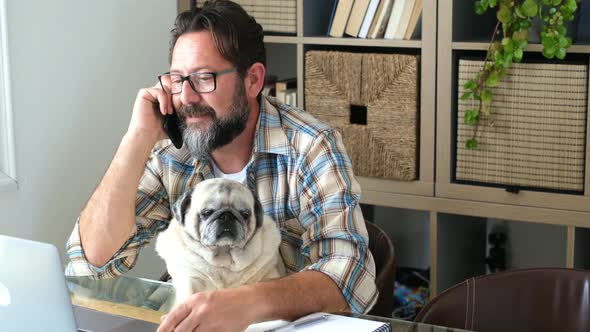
188 95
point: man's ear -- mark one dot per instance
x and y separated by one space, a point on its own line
254 81
258 211
181 205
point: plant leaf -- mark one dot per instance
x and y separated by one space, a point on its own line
504 15
560 53
471 144
518 55
470 85
466 95
486 96
571 5
520 35
529 8
549 53
518 12
562 41
481 7
493 80
471 116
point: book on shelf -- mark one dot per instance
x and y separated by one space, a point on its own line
414 28
291 97
398 21
369 18
289 83
377 29
286 91
404 20
340 18
394 17
332 16
288 96
357 14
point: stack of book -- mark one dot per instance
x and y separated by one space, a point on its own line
389 19
284 90
275 16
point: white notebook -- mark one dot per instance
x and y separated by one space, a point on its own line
322 322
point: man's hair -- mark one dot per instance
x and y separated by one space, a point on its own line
237 36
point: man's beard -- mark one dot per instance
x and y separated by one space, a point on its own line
221 131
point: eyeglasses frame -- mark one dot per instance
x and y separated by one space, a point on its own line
190 82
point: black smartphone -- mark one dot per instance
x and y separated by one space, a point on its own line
171 126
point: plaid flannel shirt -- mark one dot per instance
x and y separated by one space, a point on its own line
304 180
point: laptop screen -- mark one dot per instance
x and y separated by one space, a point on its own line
33 291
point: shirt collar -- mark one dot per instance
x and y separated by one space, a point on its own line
270 136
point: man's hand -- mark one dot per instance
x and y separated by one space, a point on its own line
145 118
233 309
223 310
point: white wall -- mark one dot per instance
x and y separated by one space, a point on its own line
76 67
409 231
531 244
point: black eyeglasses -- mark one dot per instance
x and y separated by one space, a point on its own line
199 82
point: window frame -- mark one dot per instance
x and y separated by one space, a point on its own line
8 179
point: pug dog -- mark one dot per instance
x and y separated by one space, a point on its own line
219 238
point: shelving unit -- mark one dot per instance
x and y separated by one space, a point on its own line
448 52
564 216
455 217
312 36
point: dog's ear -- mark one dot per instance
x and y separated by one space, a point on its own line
258 211
181 205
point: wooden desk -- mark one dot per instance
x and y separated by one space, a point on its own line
148 300
131 297
126 310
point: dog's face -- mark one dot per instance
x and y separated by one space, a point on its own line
219 213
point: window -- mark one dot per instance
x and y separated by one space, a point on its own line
7 153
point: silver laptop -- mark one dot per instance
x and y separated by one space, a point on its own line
34 295
33 291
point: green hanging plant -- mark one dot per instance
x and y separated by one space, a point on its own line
515 17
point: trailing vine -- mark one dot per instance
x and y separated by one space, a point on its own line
515 19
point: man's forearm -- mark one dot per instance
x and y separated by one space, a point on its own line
296 295
107 219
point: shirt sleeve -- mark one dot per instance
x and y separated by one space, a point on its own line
336 239
153 214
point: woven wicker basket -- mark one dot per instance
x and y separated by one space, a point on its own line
387 85
539 127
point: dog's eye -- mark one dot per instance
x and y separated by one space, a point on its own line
206 213
245 214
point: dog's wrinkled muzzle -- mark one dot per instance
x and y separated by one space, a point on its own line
226 225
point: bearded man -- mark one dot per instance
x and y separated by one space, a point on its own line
296 165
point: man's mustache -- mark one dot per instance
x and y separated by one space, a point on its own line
194 110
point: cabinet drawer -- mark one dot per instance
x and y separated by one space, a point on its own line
372 99
535 137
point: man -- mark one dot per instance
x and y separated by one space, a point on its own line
297 165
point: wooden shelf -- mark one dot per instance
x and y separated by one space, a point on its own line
416 44
282 39
482 46
478 208
363 42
